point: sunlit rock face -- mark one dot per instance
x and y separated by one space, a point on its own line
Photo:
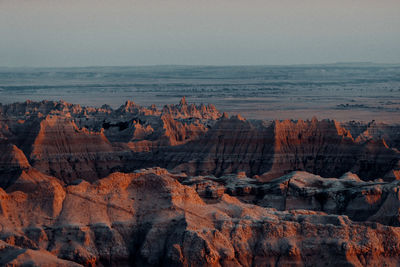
152 217
187 185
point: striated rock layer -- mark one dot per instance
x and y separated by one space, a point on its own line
188 186
270 150
69 141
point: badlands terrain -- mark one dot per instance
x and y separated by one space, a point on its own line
340 91
188 185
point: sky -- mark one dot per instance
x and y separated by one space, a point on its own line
47 33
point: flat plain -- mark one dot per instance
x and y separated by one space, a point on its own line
342 91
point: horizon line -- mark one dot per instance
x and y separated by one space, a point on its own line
205 65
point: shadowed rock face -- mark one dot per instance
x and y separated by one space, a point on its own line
70 142
376 201
12 162
227 191
274 149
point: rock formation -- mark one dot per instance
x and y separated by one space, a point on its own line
273 149
188 186
149 218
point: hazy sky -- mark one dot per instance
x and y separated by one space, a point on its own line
215 32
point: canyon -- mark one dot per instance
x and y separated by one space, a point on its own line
188 185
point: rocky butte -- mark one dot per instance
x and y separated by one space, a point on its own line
187 185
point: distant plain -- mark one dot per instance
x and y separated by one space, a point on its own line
342 91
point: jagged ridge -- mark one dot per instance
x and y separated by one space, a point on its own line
70 142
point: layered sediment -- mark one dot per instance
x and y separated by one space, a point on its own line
187 185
